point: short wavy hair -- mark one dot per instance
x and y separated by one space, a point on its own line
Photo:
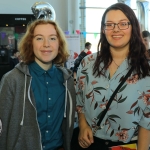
25 45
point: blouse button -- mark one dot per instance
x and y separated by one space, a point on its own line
102 126
139 92
133 128
107 86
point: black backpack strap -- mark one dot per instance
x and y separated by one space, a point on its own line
113 95
83 54
79 59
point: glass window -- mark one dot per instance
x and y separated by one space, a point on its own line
19 32
7 38
100 3
94 12
149 21
93 19
133 4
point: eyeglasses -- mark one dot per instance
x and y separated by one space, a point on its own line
121 25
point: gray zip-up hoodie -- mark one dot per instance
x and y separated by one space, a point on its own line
19 128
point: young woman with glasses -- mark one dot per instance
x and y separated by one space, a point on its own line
120 47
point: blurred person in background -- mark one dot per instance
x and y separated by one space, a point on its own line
14 59
146 41
87 48
77 62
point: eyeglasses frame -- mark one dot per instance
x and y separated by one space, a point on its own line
118 26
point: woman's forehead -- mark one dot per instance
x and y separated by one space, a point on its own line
115 16
45 29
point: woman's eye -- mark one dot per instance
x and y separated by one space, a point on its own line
123 24
53 38
109 24
39 38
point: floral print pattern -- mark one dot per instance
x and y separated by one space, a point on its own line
122 135
130 107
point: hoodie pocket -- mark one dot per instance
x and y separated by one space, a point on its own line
28 139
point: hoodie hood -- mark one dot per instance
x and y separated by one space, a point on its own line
24 69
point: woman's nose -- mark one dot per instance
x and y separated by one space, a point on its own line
46 43
116 27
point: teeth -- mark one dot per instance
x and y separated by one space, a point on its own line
117 36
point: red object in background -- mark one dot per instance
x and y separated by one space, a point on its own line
75 55
89 52
78 31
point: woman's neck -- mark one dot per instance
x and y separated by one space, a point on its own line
119 54
45 66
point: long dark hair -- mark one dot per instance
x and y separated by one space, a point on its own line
137 49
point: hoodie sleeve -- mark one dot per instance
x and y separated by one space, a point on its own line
5 111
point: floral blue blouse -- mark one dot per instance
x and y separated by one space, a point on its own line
130 107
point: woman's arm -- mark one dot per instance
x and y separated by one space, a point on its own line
5 111
85 137
143 138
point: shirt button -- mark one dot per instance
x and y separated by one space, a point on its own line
107 86
43 146
46 82
49 98
45 72
47 131
48 116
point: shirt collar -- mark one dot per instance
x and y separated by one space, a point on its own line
40 71
124 66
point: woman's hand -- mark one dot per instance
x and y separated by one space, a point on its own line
85 136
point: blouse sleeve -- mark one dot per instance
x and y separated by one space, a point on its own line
82 79
145 120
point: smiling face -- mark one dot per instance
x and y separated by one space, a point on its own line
117 38
45 44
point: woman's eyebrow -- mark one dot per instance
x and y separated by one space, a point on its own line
43 35
119 20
